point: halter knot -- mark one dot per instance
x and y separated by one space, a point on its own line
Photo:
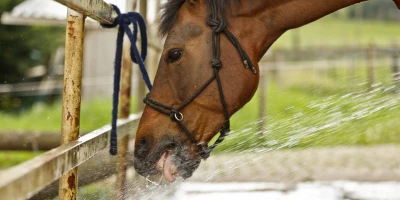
216 63
217 25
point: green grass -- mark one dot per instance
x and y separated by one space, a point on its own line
47 118
11 158
320 111
93 192
94 114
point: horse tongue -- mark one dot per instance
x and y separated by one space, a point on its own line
161 162
169 168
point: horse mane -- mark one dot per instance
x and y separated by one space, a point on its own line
169 12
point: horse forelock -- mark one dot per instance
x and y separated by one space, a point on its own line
169 12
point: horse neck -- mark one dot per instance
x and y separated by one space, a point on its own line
259 23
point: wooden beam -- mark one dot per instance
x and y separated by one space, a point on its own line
26 179
95 169
95 9
30 140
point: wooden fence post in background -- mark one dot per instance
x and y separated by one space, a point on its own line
124 110
396 66
155 56
296 39
262 102
351 71
371 65
141 84
278 59
71 105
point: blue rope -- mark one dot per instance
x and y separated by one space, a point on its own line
124 20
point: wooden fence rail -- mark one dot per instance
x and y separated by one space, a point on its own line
26 179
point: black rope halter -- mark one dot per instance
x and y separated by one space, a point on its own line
218 25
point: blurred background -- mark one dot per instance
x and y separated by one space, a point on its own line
331 84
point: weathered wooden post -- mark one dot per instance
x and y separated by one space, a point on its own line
71 104
371 66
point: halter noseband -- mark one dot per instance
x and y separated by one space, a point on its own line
218 25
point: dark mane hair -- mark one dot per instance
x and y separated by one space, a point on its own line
169 12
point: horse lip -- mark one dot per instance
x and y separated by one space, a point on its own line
146 167
183 162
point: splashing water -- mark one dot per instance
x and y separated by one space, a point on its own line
345 117
359 117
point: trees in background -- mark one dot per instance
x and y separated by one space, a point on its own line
22 47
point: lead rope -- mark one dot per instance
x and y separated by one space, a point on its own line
218 25
124 20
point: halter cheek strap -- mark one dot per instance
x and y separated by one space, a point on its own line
218 26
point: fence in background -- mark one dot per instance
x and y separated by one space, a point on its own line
25 180
281 61
327 62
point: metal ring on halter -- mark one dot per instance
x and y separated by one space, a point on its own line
178 116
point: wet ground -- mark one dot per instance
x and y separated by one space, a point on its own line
370 163
340 173
338 190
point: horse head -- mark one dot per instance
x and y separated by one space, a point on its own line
186 92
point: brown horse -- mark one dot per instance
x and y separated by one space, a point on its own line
186 108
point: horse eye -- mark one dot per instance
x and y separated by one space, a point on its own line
174 55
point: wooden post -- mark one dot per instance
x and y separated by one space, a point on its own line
370 65
141 84
155 56
71 105
262 103
124 110
280 61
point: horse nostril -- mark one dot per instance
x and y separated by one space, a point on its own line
142 148
143 141
170 145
